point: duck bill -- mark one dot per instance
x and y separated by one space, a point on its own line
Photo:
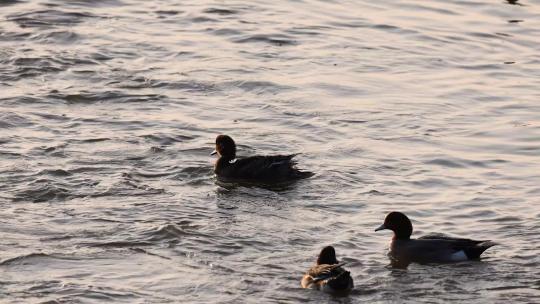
213 152
381 227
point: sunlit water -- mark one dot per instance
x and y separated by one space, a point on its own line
109 110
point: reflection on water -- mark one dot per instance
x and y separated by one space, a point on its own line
110 108
514 2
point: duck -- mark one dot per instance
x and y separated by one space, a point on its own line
269 169
436 248
328 275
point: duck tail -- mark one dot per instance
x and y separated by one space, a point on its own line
475 251
341 282
303 174
295 172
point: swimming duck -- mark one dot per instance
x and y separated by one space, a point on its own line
430 248
255 169
328 274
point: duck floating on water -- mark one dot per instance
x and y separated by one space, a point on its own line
328 274
429 248
254 169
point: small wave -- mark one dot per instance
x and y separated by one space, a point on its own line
226 32
93 3
42 193
514 2
175 232
20 67
128 187
187 85
48 18
258 87
54 185
157 150
9 2
55 172
278 40
94 140
162 13
220 11
118 244
51 116
140 250
463 163
56 37
13 36
94 97
195 174
55 151
22 258
12 120
202 19
166 139
155 173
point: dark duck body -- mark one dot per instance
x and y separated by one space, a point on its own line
328 274
255 169
430 248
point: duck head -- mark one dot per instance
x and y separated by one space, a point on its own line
399 223
327 256
225 147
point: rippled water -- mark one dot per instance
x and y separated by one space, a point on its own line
109 110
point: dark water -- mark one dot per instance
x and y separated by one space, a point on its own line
109 110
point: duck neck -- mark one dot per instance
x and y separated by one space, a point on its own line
224 161
229 156
402 236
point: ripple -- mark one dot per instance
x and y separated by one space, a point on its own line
276 39
118 244
9 2
56 37
464 163
43 191
48 18
13 36
220 11
34 258
12 120
258 87
186 85
105 96
167 139
20 67
173 232
55 172
23 259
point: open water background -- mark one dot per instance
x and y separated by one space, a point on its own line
109 110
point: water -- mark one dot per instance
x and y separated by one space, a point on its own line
109 110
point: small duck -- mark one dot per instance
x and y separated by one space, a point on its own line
255 169
429 248
328 274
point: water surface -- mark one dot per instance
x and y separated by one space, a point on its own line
109 110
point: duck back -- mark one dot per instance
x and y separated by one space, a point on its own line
264 169
438 249
328 278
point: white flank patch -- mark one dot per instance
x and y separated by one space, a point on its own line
459 256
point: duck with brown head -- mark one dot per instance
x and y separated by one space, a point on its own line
428 249
328 274
255 169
